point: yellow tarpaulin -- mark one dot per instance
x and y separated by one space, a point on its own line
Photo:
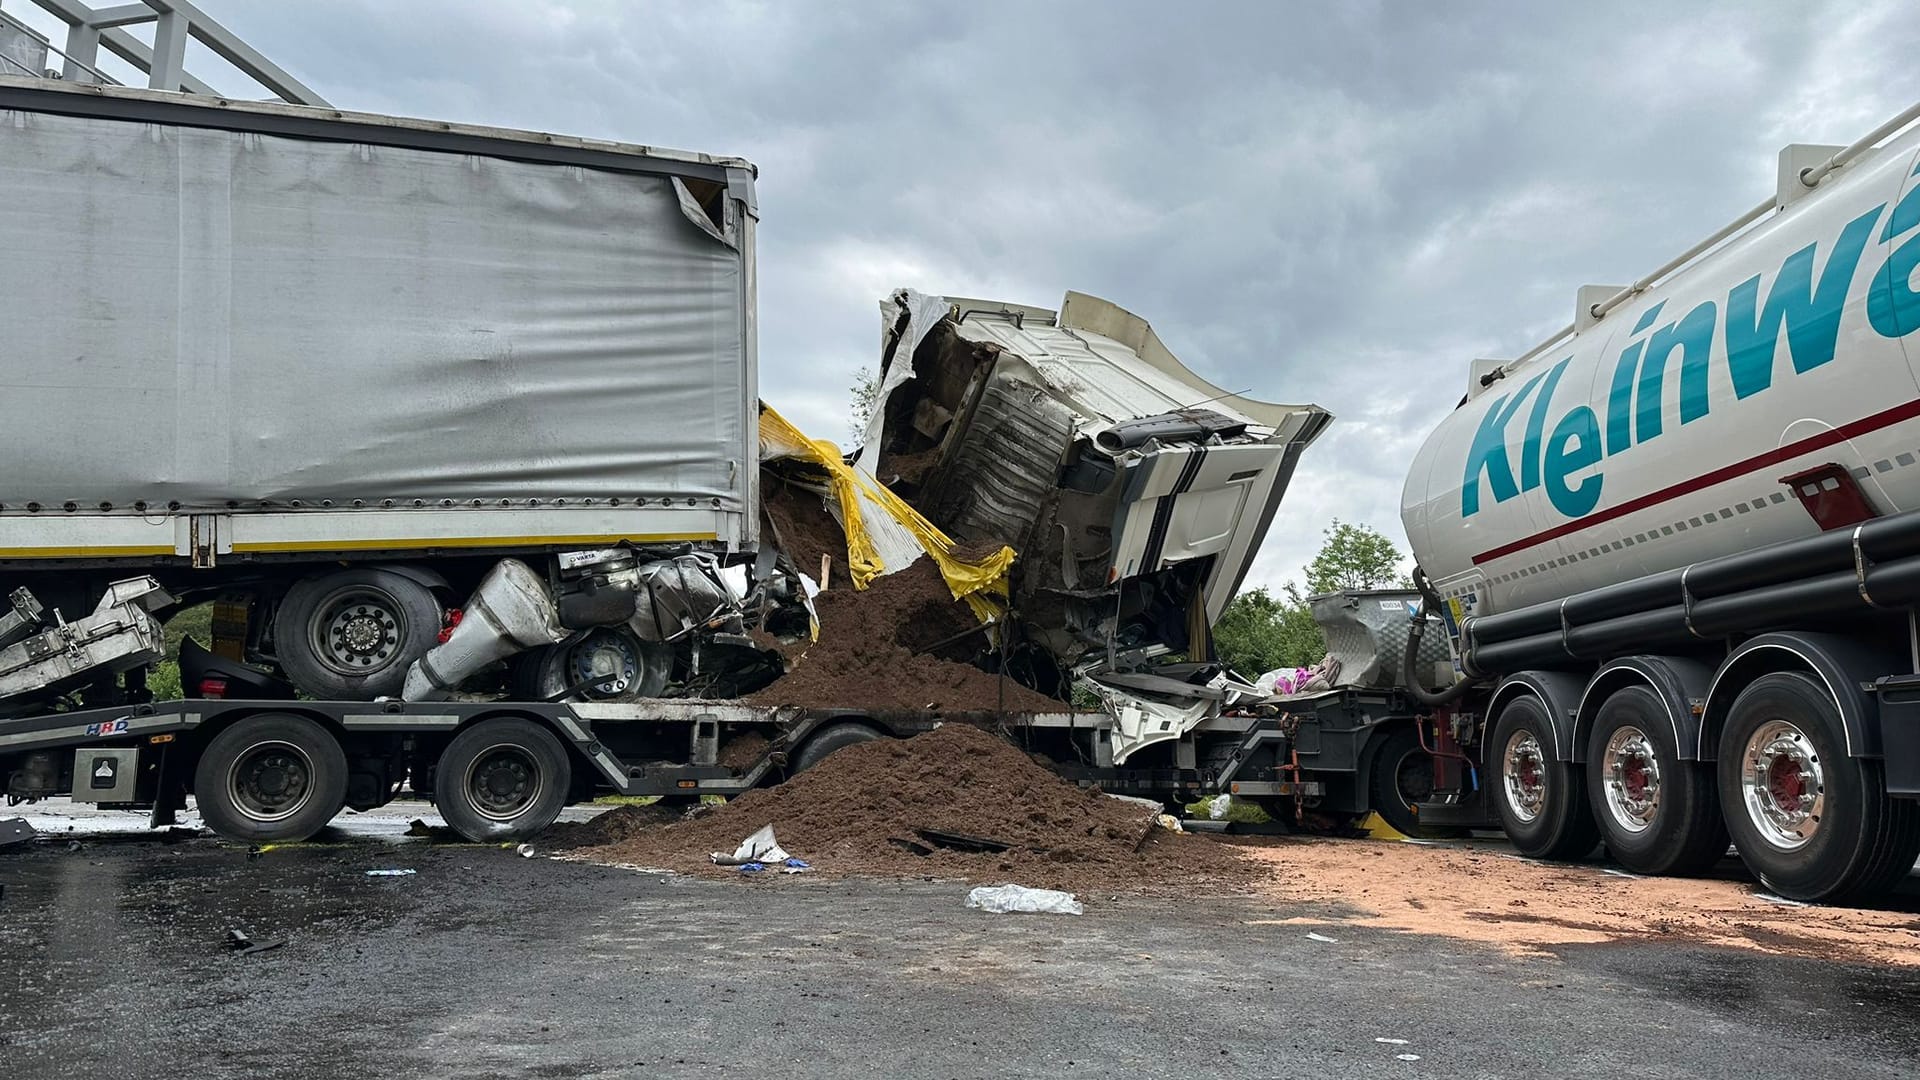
866 506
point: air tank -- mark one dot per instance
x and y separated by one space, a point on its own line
1661 432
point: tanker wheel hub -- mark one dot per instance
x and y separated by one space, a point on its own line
1526 776
1783 784
1632 779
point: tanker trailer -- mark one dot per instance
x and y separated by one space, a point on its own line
1676 548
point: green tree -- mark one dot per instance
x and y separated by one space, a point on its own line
1354 557
866 395
1260 631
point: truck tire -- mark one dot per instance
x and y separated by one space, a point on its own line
1657 813
502 779
274 777
641 668
830 738
1811 822
1542 804
351 635
1402 777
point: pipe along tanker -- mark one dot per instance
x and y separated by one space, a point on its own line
1677 552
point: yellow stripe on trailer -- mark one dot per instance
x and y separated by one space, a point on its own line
105 551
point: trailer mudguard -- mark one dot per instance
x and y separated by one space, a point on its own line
1680 684
1846 666
1557 690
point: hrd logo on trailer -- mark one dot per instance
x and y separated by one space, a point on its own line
1806 306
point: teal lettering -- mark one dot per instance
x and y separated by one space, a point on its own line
1694 336
1893 308
1489 453
1811 315
1575 445
1536 423
1906 213
1620 399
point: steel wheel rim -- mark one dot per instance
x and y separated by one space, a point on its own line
1783 785
1525 776
583 663
503 782
1631 779
357 630
270 780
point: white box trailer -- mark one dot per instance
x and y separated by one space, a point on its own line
237 329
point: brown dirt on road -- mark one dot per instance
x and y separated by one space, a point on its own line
843 815
1526 907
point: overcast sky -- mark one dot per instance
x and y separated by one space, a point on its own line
1341 204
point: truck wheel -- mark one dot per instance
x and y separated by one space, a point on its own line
1402 778
271 777
351 635
830 738
639 669
1542 805
1811 822
502 779
1657 813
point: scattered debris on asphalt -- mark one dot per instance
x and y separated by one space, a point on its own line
1000 899
241 945
390 873
862 812
761 847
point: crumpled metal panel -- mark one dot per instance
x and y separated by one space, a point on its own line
203 316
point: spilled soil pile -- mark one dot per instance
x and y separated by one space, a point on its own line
614 826
863 812
803 528
878 646
901 643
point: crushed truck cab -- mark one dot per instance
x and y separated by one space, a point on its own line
1136 492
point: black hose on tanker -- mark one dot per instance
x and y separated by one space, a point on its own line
1429 601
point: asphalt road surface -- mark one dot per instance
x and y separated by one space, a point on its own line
483 963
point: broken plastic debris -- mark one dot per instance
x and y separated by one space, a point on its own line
1004 898
1311 936
752 867
389 873
1408 1057
242 945
1390 1042
761 847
